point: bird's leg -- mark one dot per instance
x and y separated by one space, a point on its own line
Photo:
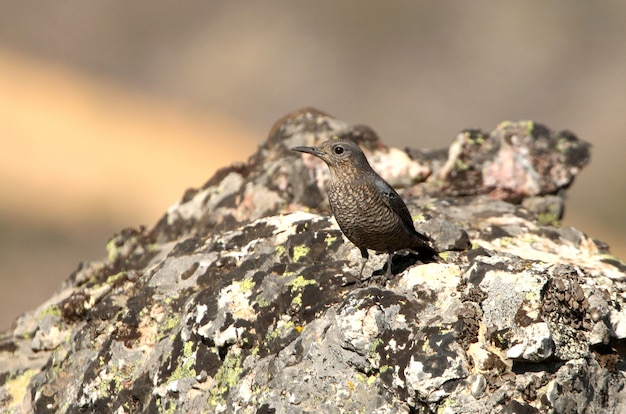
365 255
388 274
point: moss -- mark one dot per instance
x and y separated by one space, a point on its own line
299 252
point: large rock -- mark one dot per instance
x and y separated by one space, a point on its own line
244 297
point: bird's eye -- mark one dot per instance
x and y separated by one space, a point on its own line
338 150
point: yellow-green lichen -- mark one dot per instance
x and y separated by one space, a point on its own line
479 139
300 282
262 302
279 251
52 310
419 218
170 299
447 403
162 410
375 345
185 368
549 219
113 278
280 329
170 323
506 241
113 250
503 124
612 258
297 300
299 252
16 387
329 239
530 125
246 285
461 165
225 378
360 377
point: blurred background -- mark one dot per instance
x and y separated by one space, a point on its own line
110 110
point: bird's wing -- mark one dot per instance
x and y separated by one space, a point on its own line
395 202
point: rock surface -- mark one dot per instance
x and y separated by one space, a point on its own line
243 297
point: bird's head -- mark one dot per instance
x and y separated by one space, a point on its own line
341 156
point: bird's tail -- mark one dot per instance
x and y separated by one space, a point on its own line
427 254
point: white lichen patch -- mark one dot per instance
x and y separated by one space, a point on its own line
235 300
436 276
359 327
212 196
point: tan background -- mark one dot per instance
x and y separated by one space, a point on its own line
110 110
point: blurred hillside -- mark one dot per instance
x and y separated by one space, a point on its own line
110 110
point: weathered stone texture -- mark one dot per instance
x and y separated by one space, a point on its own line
243 297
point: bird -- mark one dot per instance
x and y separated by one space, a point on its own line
370 213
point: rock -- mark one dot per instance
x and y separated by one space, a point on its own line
243 297
600 334
516 161
478 385
532 343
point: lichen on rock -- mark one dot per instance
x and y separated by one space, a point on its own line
244 297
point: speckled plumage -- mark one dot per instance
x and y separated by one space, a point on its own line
368 210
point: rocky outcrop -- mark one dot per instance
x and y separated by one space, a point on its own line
244 297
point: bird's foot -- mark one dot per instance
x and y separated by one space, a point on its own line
376 279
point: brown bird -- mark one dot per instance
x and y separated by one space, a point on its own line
368 210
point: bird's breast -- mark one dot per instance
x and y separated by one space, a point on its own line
366 218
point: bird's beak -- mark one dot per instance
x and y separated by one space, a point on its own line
309 150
